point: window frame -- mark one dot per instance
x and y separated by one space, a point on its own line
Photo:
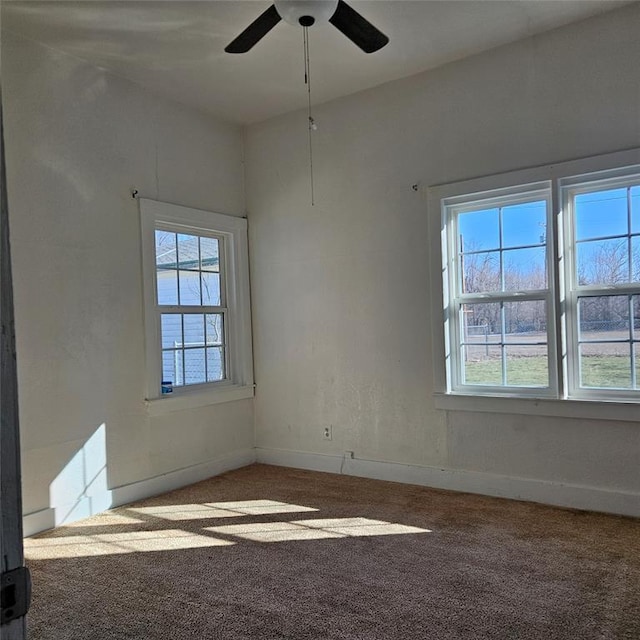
569 188
448 392
234 304
452 208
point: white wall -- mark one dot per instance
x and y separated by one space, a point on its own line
341 298
78 140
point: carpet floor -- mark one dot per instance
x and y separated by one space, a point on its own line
266 552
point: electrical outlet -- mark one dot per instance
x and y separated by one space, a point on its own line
327 433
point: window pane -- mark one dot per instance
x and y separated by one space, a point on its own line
171 329
524 224
605 366
526 322
481 323
194 366
635 259
193 330
189 287
167 287
214 329
210 289
603 317
480 272
635 209
527 366
209 254
188 252
172 367
601 213
215 364
603 262
636 317
478 230
636 353
165 249
485 369
525 269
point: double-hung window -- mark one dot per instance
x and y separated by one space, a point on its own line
197 304
540 278
602 227
501 293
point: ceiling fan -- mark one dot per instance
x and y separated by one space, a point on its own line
307 13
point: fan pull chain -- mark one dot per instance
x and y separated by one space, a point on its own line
312 124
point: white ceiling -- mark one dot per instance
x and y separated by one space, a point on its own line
176 48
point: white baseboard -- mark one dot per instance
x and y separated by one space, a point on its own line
180 478
551 493
86 506
38 521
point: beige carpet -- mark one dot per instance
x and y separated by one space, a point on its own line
266 552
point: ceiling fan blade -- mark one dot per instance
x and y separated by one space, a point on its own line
255 31
360 31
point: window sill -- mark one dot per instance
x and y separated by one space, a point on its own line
553 407
193 399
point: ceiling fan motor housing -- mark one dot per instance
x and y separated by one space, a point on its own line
306 12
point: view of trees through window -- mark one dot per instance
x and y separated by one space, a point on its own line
503 287
502 255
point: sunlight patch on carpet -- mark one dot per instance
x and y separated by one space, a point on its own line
112 543
273 532
179 512
106 519
314 529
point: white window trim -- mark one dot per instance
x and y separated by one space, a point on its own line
450 212
233 230
597 406
569 188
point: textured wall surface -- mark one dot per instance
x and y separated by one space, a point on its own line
343 310
78 141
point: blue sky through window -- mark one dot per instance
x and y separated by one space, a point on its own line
599 214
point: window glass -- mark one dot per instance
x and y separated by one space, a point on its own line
508 269
525 269
635 209
209 254
215 364
480 272
503 249
524 224
188 275
600 214
478 230
603 261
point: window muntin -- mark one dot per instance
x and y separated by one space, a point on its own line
609 341
193 348
507 347
603 291
191 303
607 236
197 316
500 309
588 289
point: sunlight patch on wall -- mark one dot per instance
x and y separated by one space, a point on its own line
80 490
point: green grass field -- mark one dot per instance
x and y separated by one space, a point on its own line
597 371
